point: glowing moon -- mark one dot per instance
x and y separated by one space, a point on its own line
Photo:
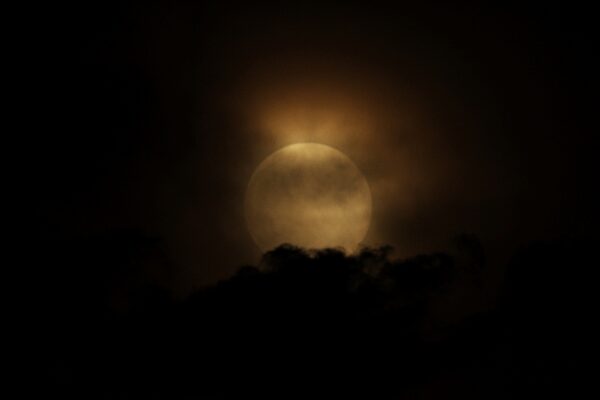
310 195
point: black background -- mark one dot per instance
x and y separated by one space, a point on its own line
128 130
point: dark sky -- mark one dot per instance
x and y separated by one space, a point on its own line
152 116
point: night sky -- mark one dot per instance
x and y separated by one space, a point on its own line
463 119
471 124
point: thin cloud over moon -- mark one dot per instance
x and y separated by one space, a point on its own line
309 195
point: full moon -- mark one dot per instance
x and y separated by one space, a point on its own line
310 195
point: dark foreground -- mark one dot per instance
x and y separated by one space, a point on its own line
319 326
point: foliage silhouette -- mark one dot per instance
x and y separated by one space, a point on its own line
311 321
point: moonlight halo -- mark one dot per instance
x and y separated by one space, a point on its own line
310 195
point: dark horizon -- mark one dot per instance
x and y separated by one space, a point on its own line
312 323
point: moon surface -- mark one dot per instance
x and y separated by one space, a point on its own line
310 195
